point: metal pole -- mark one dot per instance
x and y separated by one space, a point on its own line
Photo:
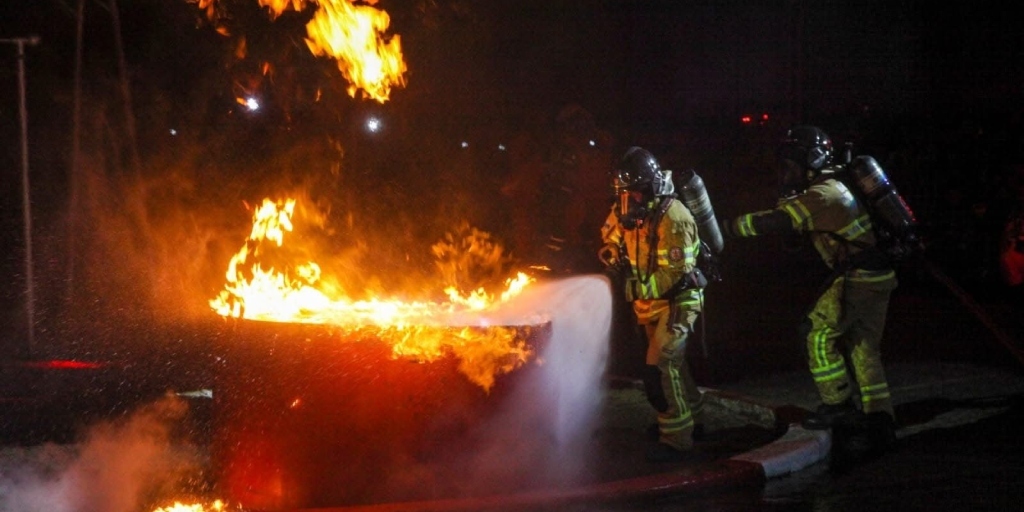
20 42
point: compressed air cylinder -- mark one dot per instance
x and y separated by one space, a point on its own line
881 194
695 197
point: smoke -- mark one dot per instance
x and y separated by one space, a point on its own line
539 437
158 241
118 466
566 396
574 359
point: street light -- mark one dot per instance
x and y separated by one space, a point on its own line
21 42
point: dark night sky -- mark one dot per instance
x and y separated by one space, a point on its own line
628 61
479 67
483 66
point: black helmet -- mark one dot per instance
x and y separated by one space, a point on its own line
639 171
808 147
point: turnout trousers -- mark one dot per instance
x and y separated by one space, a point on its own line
844 333
668 326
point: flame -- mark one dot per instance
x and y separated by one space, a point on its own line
355 36
422 330
279 6
216 506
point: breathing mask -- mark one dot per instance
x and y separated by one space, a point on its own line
633 209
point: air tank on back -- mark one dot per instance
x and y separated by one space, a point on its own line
876 188
695 197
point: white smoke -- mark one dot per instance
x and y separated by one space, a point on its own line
117 466
539 437
580 309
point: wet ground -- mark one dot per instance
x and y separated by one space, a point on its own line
974 466
958 446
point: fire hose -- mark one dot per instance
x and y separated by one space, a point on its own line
976 309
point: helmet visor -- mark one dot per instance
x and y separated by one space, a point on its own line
628 180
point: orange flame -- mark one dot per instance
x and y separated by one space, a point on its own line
355 36
425 331
279 6
216 506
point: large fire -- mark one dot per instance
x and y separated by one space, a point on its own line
421 330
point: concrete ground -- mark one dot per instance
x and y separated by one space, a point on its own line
753 437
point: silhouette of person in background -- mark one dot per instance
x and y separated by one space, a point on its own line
1011 243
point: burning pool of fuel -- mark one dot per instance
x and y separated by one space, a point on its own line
307 417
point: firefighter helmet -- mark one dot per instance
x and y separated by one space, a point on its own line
639 171
807 146
804 152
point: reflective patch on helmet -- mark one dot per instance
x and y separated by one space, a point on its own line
675 253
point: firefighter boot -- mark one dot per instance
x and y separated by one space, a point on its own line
828 415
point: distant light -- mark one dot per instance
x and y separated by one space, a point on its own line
764 117
252 104
373 124
173 131
501 147
465 144
745 119
593 143
62 364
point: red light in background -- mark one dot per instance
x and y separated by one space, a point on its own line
58 364
745 119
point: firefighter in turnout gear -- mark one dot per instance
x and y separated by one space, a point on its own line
843 328
652 239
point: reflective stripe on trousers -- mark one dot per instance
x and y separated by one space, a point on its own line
853 310
667 334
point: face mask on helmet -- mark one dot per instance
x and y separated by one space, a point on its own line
808 146
633 192
632 208
638 180
804 152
